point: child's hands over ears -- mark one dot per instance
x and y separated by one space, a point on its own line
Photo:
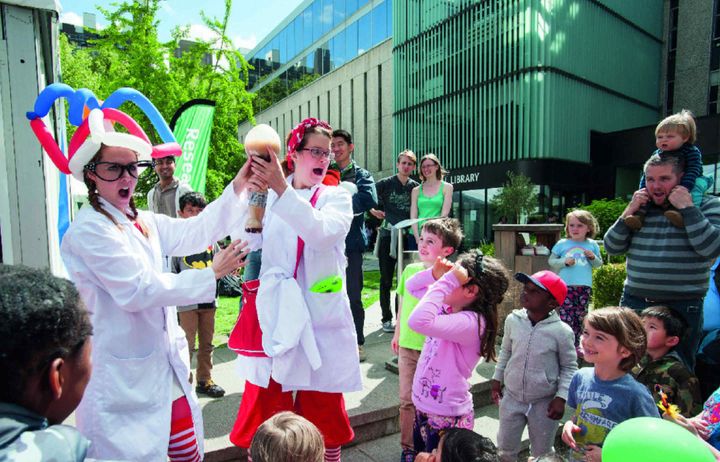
496 388
567 434
440 267
556 408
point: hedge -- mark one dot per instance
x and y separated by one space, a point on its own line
608 283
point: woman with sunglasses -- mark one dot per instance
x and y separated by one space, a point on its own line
309 345
139 404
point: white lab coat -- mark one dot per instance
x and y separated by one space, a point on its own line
310 336
137 343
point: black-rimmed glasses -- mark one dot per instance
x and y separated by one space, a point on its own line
111 171
320 153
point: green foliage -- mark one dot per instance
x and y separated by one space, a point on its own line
516 197
128 53
608 283
606 212
488 249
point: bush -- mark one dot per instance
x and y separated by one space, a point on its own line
608 283
606 212
488 249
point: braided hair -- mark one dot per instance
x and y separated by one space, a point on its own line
493 280
94 198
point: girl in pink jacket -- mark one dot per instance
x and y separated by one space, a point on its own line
458 313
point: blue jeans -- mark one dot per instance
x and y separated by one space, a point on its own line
690 310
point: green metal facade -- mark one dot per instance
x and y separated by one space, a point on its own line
484 82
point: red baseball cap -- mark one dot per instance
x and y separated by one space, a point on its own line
546 280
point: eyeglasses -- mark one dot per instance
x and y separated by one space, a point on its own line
111 171
319 153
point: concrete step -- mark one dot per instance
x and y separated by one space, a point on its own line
373 411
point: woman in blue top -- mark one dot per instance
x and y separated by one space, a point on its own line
433 198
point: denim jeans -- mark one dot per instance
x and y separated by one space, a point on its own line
690 310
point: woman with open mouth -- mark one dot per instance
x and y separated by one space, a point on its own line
139 404
309 344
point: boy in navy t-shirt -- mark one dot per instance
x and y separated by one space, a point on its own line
603 396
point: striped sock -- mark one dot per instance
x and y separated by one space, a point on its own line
332 454
249 459
183 445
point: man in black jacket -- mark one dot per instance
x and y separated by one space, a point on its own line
363 200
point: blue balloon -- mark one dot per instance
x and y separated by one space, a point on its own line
121 95
47 97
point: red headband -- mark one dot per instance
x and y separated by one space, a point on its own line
298 133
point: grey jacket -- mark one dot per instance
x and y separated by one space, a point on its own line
537 361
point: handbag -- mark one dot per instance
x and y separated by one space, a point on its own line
246 337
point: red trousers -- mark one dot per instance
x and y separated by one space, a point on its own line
325 410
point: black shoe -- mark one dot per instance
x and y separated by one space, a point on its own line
210 388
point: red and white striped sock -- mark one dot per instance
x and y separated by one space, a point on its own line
183 445
332 454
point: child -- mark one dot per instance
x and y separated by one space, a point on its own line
287 437
537 362
198 318
459 315
605 395
461 445
662 365
675 136
45 353
438 238
573 259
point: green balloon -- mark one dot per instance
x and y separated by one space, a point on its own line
649 439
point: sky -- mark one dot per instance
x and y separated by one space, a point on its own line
250 21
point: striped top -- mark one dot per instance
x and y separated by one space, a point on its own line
668 263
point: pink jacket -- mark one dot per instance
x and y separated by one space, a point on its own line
451 350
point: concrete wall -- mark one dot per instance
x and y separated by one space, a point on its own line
693 56
356 97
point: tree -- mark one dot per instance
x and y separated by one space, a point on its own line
517 197
128 53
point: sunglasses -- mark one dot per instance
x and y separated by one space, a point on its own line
111 171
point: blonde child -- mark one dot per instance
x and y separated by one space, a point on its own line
675 136
458 314
287 437
605 395
438 238
536 364
573 258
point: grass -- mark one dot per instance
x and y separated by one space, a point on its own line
228 307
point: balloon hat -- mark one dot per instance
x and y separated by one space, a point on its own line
96 129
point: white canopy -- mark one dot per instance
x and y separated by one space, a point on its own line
52 5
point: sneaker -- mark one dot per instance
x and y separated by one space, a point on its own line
408 455
210 388
634 222
388 327
362 354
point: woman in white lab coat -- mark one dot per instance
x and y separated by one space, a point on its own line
308 334
139 388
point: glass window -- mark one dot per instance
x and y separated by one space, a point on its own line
351 6
351 41
307 26
315 17
326 16
338 12
364 34
338 51
379 23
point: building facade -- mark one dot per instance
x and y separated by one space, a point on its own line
567 93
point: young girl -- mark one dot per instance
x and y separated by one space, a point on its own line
458 314
433 198
139 404
308 334
288 437
461 445
573 259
